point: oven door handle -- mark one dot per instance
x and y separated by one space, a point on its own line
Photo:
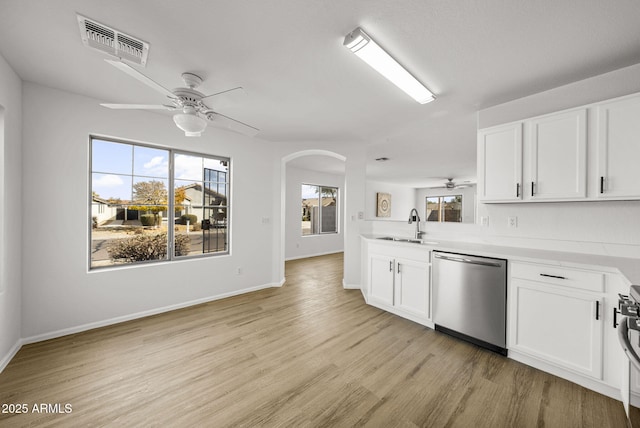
623 336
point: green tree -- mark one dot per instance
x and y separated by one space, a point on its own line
150 196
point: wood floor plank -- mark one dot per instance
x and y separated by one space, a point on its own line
308 354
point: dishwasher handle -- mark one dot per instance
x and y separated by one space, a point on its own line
466 260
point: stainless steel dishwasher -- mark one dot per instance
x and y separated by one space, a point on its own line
470 299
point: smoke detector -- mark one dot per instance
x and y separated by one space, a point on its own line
113 42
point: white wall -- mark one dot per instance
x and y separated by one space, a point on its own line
11 213
296 245
59 294
403 199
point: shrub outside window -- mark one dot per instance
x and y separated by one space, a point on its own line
319 209
153 204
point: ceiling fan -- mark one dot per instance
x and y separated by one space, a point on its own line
450 185
192 113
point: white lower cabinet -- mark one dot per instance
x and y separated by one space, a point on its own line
400 284
381 276
559 325
561 320
412 287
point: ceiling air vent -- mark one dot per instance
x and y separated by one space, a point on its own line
99 36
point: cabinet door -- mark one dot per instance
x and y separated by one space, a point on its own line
500 163
557 326
412 287
558 157
619 148
381 273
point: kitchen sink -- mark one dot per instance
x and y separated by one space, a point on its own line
410 240
413 241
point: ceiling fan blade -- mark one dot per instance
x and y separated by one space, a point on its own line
224 99
235 125
138 106
239 91
140 77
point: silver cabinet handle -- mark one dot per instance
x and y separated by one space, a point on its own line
390 265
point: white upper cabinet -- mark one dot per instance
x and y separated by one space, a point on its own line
619 148
558 156
500 163
583 154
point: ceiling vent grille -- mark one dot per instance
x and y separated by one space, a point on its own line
105 39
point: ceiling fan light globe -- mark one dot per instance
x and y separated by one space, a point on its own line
190 123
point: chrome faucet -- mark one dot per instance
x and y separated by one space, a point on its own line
411 215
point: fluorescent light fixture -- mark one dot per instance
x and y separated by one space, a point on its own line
190 122
368 50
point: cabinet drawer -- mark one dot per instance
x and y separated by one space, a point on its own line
566 277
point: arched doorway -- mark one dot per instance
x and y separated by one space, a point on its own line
320 161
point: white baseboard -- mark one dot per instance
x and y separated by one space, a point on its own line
12 353
124 318
350 286
306 256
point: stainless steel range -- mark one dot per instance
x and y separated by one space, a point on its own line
629 335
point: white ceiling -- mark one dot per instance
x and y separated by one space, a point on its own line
303 85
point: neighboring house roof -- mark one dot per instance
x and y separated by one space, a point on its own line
198 188
100 200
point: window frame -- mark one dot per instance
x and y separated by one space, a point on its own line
171 217
337 197
441 207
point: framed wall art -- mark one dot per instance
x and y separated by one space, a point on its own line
384 205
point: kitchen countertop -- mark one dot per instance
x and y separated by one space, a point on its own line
628 267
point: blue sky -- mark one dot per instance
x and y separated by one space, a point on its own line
113 165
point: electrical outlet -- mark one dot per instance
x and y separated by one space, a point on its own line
512 221
239 270
484 221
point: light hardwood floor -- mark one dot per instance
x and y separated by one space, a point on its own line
307 354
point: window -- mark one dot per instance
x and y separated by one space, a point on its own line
444 208
319 209
138 191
